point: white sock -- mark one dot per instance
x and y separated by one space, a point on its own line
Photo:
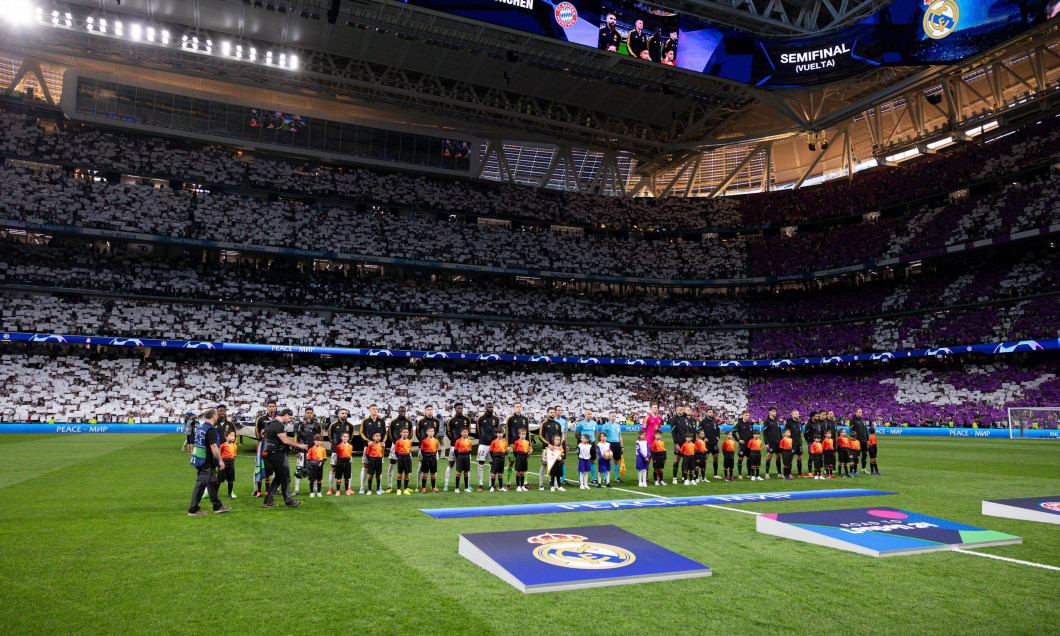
390 477
297 482
607 477
362 477
480 475
448 472
331 481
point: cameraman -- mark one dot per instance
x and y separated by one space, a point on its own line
275 452
304 432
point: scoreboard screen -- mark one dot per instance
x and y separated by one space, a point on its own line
903 33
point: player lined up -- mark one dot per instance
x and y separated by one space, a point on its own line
598 449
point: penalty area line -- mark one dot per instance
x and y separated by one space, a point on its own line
1001 558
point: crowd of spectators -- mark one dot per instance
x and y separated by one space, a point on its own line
77 145
79 383
98 267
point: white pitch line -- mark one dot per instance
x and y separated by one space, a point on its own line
733 509
637 492
1001 558
632 492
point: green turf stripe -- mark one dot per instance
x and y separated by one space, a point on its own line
35 457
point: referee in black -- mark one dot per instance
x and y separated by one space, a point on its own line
276 443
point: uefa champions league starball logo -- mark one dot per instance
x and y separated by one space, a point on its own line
576 551
566 15
940 18
1051 505
46 337
1022 345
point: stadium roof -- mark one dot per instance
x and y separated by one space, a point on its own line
409 65
464 71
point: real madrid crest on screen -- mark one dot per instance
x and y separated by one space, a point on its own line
940 18
570 558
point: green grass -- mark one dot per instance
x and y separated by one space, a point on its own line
96 540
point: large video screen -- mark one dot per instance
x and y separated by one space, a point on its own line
569 20
639 30
905 32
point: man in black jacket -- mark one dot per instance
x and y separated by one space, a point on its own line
794 424
453 426
370 426
712 434
830 425
743 430
304 432
859 430
486 430
814 428
275 452
515 422
681 424
393 433
773 432
550 428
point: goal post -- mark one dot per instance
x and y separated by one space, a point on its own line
1038 418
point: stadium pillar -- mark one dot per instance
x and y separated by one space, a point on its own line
820 155
738 169
767 173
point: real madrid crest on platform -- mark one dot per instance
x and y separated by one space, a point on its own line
576 551
570 558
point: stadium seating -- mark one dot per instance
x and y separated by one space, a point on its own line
368 213
161 386
52 197
74 265
88 147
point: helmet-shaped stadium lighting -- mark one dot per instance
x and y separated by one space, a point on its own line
21 12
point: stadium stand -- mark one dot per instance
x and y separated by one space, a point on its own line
158 386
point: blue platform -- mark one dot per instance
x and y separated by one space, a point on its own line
647 502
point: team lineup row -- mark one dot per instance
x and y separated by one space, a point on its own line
598 446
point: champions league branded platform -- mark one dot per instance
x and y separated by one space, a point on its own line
559 559
648 502
1043 509
879 532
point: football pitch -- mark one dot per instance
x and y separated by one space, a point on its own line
96 540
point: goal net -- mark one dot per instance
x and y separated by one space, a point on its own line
1036 423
